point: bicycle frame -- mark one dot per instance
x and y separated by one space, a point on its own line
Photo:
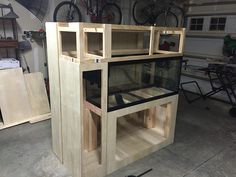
166 8
91 10
70 12
94 12
95 9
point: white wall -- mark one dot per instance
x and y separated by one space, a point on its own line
28 22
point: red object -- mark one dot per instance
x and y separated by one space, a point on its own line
41 30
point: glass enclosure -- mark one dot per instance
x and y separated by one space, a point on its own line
135 82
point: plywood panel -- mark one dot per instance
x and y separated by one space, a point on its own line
71 115
121 40
54 82
37 93
14 102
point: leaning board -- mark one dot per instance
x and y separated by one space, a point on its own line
14 101
37 94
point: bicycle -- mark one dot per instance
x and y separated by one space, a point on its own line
101 12
150 12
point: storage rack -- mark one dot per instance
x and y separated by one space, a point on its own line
8 40
86 138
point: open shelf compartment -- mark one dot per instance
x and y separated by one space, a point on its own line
114 42
93 131
92 151
139 131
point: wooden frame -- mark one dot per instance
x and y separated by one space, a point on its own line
84 135
159 120
108 33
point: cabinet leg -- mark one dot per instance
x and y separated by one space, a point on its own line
91 121
149 118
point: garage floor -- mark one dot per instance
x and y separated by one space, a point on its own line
205 146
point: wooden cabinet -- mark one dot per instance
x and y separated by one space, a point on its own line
90 138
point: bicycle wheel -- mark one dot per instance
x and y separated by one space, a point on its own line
167 18
66 12
142 11
180 13
111 14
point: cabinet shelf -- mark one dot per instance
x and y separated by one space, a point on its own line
8 31
131 139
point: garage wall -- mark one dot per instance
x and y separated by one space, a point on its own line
28 22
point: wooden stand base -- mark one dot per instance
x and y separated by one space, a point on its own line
139 130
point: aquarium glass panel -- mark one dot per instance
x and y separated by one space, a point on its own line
134 82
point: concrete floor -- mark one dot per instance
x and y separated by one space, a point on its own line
205 146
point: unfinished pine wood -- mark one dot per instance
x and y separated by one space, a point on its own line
104 105
86 129
136 141
149 118
55 93
14 100
92 108
71 114
181 41
92 141
95 41
152 41
37 94
23 98
93 121
107 41
40 118
91 164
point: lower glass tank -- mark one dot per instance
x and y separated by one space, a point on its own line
135 82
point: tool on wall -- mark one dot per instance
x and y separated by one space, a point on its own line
25 46
37 36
